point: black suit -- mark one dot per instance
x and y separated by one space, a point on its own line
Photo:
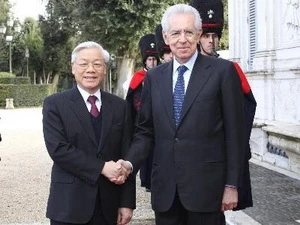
79 157
203 154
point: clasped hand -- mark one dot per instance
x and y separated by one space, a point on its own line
117 172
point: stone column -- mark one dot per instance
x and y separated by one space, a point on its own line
9 103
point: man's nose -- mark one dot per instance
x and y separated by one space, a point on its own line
90 67
182 36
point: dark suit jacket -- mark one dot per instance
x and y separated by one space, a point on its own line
245 190
78 159
204 152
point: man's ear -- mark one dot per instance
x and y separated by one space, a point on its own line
105 69
72 66
165 37
199 35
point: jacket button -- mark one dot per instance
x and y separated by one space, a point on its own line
176 140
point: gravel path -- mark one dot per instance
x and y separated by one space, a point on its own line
25 172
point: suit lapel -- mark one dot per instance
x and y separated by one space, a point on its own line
78 106
107 116
165 85
199 76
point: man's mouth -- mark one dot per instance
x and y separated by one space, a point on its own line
89 78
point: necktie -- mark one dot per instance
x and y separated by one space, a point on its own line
94 110
178 95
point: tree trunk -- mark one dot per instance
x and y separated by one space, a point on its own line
55 82
34 77
124 74
44 76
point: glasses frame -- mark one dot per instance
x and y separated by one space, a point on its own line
85 65
176 34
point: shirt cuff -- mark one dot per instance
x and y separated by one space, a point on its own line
230 186
130 166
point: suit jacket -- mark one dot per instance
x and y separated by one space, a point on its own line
245 190
203 153
78 159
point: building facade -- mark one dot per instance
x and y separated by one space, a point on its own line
264 38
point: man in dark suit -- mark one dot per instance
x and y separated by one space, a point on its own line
192 116
87 184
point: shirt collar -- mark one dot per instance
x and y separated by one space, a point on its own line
189 64
85 94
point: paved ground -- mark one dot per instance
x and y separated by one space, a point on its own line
276 197
25 169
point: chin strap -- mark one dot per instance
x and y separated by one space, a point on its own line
213 53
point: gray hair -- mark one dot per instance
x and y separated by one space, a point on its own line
106 56
89 44
180 9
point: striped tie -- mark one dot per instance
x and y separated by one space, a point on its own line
94 110
178 95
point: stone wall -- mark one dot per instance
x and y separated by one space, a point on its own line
274 75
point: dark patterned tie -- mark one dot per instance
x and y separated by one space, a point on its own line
178 95
94 110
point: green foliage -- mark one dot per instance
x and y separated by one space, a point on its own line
24 95
58 31
33 40
28 37
224 42
116 24
6 75
14 80
4 6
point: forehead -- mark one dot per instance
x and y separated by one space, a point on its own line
150 57
182 21
209 33
88 53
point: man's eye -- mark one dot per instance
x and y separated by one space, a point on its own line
97 65
83 64
175 34
189 33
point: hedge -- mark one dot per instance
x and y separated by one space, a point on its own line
14 80
25 95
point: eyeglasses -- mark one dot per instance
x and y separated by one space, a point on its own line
187 33
95 65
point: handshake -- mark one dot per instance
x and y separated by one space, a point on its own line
117 172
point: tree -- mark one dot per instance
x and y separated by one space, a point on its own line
4 6
33 40
58 34
224 42
116 24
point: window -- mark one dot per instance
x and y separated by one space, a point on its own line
252 32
